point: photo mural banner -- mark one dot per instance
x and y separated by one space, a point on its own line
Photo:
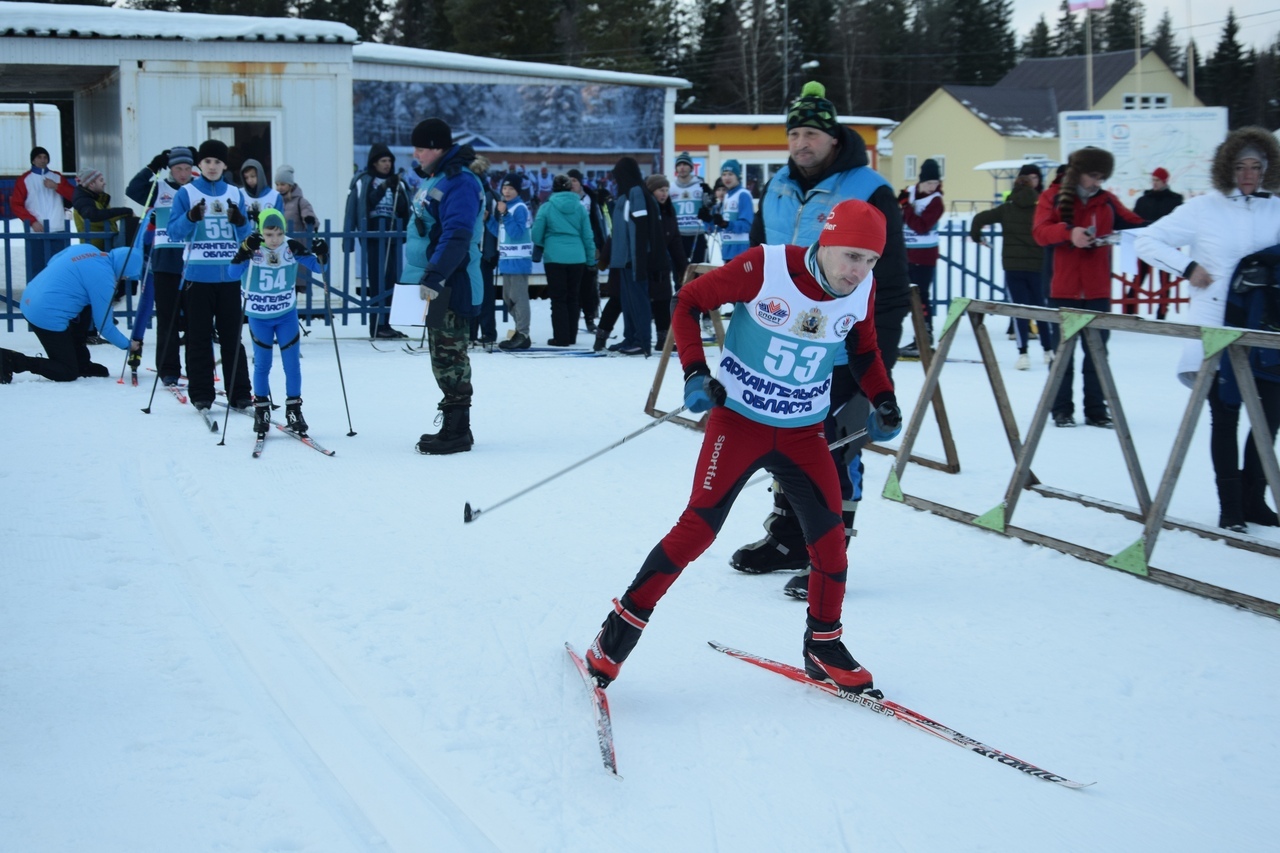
560 122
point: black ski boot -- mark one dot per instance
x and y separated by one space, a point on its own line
454 436
6 367
798 586
1254 490
826 658
1231 503
262 415
293 415
782 550
602 338
618 636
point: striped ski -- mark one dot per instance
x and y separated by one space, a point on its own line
600 704
886 708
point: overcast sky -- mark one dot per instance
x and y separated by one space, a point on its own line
1259 19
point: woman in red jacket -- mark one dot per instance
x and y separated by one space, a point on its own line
1076 221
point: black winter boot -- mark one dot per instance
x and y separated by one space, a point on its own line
782 549
618 636
261 415
1231 503
1254 492
293 415
602 338
454 436
6 366
798 586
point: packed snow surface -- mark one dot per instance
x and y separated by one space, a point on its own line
201 651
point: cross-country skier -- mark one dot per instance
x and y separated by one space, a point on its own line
267 264
209 214
54 304
793 309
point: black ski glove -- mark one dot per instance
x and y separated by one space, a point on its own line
135 356
298 248
234 214
248 246
885 421
158 162
720 221
254 210
310 222
196 213
320 249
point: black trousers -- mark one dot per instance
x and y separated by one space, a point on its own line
563 283
1224 420
209 305
67 355
168 290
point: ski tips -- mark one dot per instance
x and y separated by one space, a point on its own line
469 515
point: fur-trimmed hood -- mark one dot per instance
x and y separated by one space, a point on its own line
1223 173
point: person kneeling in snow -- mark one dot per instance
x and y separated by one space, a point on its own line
794 307
55 303
267 264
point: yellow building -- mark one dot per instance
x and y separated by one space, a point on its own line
758 142
1017 119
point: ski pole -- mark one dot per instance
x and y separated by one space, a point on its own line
235 367
469 515
139 328
173 319
334 328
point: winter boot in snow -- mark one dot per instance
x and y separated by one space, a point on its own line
1231 504
261 415
782 550
293 415
602 338
798 586
826 658
1254 491
618 636
6 367
454 435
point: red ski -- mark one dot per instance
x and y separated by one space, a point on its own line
875 702
599 702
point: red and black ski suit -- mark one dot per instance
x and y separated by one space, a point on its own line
734 447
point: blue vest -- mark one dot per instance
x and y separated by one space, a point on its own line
417 245
797 218
781 347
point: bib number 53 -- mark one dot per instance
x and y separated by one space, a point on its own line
786 359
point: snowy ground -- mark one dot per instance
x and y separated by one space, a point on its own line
201 651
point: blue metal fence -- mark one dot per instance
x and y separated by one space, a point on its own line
965 269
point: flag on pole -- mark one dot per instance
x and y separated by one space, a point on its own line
1092 5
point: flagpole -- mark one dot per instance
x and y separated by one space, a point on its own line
1088 57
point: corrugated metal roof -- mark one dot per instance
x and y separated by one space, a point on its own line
48 20
388 54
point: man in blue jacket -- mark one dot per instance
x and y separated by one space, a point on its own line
54 304
445 237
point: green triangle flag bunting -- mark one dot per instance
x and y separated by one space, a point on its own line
892 489
1132 559
992 519
954 313
1216 340
1073 322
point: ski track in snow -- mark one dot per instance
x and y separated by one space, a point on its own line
202 651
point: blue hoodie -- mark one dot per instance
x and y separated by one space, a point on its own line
75 277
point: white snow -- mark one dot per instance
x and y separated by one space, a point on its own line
44 19
200 651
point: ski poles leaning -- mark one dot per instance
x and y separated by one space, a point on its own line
333 327
163 350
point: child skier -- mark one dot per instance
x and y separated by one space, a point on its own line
267 264
794 308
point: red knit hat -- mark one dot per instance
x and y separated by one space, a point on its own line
856 224
1161 174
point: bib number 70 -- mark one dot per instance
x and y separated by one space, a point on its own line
783 356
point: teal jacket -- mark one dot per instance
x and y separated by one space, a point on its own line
563 231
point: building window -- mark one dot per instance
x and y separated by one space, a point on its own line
909 167
1134 101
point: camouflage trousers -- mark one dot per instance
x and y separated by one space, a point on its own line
450 362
